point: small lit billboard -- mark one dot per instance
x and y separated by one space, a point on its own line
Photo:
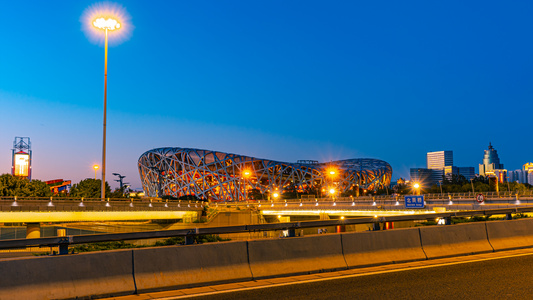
21 163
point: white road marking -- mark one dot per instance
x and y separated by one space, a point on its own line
407 268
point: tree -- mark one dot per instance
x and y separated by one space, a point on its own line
16 186
118 193
89 188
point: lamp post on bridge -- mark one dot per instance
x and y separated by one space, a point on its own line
107 25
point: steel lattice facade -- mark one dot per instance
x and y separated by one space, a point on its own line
230 177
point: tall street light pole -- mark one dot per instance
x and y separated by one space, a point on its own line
95 167
109 24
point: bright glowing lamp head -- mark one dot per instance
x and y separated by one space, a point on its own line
110 17
416 185
108 24
246 173
331 171
276 195
96 167
332 191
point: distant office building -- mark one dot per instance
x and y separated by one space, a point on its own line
423 176
501 174
527 173
491 162
439 165
514 176
467 172
438 160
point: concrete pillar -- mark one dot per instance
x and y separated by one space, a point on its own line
33 230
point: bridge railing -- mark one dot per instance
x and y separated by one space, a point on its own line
87 204
188 234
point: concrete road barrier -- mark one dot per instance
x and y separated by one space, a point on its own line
64 277
301 255
382 247
181 266
513 234
462 239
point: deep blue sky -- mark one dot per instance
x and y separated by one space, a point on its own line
284 80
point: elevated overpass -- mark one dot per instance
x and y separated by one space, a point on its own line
34 211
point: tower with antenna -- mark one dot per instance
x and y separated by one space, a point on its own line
21 159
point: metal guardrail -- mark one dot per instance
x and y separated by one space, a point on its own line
64 242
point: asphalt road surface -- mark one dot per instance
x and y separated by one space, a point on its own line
505 278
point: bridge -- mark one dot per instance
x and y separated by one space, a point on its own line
34 211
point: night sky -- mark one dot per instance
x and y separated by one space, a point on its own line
282 80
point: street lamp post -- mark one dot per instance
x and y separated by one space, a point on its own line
245 175
417 188
95 167
107 25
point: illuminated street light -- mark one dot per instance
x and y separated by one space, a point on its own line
416 185
332 191
95 167
245 175
107 25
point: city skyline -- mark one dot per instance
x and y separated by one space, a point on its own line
284 81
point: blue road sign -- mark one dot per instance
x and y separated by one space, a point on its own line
414 201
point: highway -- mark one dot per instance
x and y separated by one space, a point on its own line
507 278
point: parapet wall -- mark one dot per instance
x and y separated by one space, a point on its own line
127 272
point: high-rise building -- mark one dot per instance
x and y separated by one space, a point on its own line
491 162
439 165
438 160
422 176
467 172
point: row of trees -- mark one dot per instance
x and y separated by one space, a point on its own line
459 184
16 186
21 187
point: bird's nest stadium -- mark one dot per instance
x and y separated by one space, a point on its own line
219 176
